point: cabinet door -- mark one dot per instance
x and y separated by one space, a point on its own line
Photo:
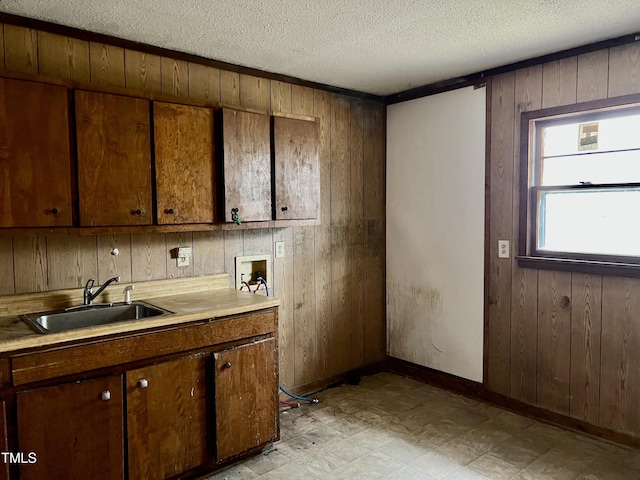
246 397
166 418
4 443
247 165
114 159
75 430
297 174
35 155
183 139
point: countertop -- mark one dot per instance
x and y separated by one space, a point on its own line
206 303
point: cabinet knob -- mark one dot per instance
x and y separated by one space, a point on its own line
284 209
143 383
54 211
227 365
170 211
137 212
106 395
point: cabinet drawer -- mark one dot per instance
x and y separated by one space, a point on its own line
69 360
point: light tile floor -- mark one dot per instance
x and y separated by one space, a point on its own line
391 427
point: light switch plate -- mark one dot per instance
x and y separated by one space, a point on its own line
503 248
279 249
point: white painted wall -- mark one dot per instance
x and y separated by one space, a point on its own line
435 231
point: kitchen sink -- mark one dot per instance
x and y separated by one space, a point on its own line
91 316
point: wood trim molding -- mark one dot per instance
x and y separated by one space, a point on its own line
487 231
187 227
579 266
332 381
479 392
17 304
147 95
465 81
164 52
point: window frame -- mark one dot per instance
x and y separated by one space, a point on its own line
529 256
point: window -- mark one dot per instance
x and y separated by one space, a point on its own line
580 187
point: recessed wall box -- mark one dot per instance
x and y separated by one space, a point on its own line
249 268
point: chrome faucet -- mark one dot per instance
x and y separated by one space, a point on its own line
89 296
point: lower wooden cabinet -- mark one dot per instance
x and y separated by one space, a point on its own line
246 389
199 398
75 430
4 440
167 418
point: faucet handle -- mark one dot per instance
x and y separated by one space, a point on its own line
89 284
127 294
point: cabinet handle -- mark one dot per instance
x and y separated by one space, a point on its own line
143 383
284 209
54 211
106 395
170 211
137 212
227 365
235 216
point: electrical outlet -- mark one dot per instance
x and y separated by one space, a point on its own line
182 261
503 248
279 249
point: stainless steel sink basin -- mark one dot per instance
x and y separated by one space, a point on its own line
91 316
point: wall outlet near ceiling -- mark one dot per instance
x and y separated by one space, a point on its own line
279 249
503 248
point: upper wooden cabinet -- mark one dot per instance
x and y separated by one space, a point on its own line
35 158
246 165
184 155
114 159
264 170
297 173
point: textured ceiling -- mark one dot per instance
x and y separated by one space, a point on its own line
373 46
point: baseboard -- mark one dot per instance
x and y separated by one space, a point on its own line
317 385
479 392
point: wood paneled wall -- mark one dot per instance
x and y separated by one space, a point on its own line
331 280
581 359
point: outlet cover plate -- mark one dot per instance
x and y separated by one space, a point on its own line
503 248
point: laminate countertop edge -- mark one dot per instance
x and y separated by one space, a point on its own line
16 335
